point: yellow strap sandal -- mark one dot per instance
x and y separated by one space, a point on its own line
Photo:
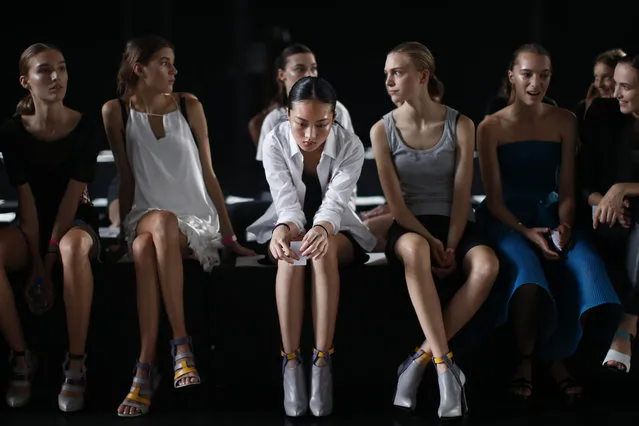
183 365
141 391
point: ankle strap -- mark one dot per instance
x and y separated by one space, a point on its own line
18 353
286 357
180 341
446 359
317 354
76 357
624 335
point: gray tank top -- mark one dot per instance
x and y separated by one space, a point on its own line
426 176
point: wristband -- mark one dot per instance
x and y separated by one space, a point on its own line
228 240
324 228
53 242
281 224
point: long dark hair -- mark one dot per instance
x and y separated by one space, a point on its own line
26 105
314 88
137 50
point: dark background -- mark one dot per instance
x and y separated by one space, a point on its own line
225 52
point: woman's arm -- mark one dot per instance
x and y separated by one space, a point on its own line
463 181
340 188
115 133
28 216
569 136
487 144
199 126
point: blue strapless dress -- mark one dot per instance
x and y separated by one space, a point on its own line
571 286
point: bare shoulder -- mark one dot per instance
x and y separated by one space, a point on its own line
111 107
191 100
464 123
378 131
491 123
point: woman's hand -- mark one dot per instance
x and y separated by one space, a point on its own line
280 246
315 243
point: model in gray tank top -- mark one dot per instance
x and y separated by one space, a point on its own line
427 176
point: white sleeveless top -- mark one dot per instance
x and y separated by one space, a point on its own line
168 176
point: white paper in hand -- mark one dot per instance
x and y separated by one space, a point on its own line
555 239
295 246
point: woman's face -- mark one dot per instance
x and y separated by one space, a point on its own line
47 77
402 79
297 66
311 123
627 88
604 80
159 73
530 77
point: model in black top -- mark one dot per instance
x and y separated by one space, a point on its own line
49 153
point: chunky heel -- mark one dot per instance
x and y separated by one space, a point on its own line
294 383
19 392
452 395
74 383
409 377
321 403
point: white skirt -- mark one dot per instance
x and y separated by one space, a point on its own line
203 238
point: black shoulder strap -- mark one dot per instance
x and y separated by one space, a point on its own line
125 116
186 116
125 119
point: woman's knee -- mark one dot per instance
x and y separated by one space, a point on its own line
143 248
75 244
413 250
483 264
162 224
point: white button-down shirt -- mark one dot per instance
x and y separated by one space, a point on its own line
338 171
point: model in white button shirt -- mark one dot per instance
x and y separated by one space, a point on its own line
310 147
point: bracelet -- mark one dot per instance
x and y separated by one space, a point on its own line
53 242
228 240
281 224
323 227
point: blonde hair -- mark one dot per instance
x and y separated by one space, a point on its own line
423 60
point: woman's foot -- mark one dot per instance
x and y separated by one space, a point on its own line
185 373
567 385
620 353
71 397
23 369
521 382
138 400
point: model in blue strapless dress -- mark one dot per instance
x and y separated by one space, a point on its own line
572 285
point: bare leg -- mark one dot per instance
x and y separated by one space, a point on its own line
75 251
289 293
481 267
379 225
524 313
14 255
148 303
169 247
414 252
326 283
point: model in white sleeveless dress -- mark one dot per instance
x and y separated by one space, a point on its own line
168 176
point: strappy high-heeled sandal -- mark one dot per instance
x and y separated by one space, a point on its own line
294 384
74 383
619 357
409 377
321 402
141 392
19 392
184 365
452 394
520 382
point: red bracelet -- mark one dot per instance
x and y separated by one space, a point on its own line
53 242
229 240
